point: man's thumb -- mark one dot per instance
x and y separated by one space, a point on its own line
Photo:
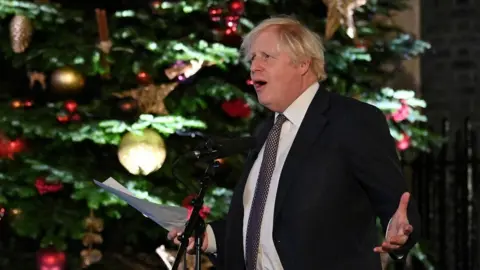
403 205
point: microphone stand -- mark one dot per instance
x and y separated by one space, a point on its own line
196 225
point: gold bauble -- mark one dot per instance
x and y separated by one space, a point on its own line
21 30
67 80
142 154
90 256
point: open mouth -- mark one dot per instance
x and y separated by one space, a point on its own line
259 84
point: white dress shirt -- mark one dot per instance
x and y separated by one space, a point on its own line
267 254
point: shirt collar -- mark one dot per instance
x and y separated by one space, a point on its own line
297 110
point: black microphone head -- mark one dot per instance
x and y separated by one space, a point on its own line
215 148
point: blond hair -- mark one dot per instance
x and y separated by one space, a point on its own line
299 40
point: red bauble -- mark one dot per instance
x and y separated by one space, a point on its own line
187 203
128 105
236 7
404 143
144 78
28 103
76 117
237 108
71 106
16 146
231 37
402 113
231 31
215 13
50 259
43 187
63 117
232 21
8 147
156 5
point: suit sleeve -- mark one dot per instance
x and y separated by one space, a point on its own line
376 165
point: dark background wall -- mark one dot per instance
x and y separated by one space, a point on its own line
449 72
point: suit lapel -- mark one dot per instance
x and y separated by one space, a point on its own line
312 125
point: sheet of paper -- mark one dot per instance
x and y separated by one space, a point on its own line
169 217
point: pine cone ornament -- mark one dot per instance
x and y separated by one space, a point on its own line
20 33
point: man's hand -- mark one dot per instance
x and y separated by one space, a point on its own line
398 230
173 235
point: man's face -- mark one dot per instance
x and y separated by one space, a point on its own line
274 75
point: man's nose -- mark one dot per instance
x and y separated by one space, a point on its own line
255 66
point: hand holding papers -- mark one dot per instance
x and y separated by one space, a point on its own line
169 217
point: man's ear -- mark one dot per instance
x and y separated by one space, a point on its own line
304 66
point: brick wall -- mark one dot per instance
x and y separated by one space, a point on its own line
449 72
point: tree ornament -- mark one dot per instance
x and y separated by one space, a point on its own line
150 98
16 104
404 143
231 36
402 113
94 223
155 5
231 21
75 117
39 77
236 7
142 154
144 78
67 80
43 187
183 71
8 147
340 12
71 106
51 259
92 237
127 105
237 108
215 13
21 30
105 44
28 103
188 203
63 117
362 43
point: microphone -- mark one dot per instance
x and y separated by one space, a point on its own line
221 147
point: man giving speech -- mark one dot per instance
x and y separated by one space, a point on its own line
324 169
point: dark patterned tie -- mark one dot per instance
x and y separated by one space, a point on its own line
261 193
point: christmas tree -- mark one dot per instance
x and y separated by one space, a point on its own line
124 92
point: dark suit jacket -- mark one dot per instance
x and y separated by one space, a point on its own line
341 173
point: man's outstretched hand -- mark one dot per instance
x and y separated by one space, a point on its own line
399 229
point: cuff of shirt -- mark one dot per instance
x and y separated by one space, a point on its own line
394 256
212 244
